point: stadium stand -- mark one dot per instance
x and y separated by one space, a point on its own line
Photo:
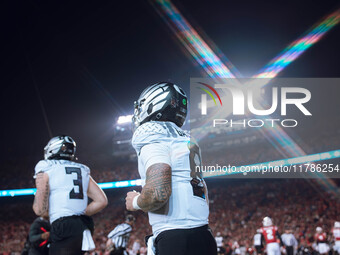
237 208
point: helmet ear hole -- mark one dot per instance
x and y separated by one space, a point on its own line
63 148
158 116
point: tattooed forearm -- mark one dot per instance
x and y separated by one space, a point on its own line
40 204
45 198
157 189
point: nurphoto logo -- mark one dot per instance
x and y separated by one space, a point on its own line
240 100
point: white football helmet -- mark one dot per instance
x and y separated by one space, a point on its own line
60 147
318 229
163 101
337 224
267 221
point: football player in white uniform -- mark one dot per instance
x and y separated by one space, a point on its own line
320 238
219 243
174 194
336 235
118 238
258 241
63 188
271 237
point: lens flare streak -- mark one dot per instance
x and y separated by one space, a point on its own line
192 41
296 48
281 163
131 183
210 62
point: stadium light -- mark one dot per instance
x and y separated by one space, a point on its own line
124 119
104 185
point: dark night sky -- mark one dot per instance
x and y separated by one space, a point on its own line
80 51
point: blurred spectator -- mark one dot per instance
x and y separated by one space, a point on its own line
38 236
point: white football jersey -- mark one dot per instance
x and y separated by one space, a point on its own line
336 233
219 241
68 183
257 239
164 142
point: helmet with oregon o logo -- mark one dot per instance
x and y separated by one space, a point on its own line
163 101
60 147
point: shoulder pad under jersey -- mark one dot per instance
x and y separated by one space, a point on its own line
148 133
42 166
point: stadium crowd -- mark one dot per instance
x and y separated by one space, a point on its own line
237 208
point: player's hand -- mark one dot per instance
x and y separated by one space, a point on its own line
129 198
45 235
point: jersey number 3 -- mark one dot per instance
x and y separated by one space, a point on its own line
76 182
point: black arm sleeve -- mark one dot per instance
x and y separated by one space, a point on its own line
262 240
35 233
279 237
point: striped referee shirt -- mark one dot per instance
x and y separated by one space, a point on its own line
120 235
